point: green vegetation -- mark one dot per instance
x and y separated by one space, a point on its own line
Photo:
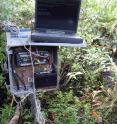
6 113
85 94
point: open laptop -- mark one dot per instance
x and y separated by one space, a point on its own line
56 22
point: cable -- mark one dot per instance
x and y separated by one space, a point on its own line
15 29
39 115
17 77
20 102
14 72
11 28
48 58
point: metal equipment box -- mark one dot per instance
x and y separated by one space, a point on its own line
31 65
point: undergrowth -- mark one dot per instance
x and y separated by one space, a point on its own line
87 93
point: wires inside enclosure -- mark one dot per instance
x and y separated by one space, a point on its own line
39 115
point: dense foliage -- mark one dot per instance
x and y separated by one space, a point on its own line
88 89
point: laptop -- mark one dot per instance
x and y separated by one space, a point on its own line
56 22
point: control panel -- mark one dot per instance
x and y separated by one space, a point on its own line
24 58
36 65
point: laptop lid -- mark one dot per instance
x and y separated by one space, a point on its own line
57 15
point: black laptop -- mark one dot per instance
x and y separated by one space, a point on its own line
56 21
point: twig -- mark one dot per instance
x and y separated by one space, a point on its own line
16 116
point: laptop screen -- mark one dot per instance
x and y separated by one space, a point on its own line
57 14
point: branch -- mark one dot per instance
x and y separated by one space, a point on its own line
16 116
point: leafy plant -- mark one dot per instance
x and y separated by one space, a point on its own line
5 114
26 116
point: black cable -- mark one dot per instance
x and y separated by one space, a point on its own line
14 74
17 76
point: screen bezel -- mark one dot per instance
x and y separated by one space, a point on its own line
41 29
